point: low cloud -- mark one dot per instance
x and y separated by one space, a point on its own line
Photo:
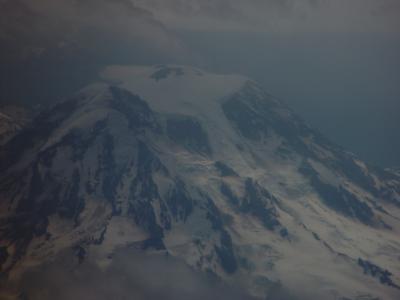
131 275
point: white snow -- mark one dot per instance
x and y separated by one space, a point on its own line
193 92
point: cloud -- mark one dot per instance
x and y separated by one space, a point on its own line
131 275
64 43
52 48
35 26
278 15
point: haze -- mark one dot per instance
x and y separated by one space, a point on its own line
336 63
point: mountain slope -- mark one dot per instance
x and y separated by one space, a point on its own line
209 169
12 120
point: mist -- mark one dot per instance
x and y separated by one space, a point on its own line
130 275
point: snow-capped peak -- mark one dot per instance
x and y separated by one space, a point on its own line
175 89
208 168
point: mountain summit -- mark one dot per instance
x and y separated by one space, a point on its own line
208 169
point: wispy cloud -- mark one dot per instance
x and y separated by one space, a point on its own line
27 25
278 15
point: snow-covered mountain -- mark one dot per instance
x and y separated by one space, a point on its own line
209 169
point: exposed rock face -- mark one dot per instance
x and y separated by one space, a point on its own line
237 187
